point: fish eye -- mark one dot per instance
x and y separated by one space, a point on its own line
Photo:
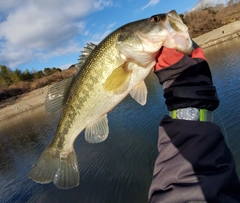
155 19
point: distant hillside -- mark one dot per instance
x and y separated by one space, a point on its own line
203 20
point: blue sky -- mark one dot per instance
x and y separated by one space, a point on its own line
35 34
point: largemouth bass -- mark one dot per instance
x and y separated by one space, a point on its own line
111 70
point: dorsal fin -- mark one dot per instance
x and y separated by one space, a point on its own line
58 94
86 52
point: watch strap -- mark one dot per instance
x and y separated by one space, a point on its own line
199 114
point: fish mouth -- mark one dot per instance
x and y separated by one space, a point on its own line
176 22
179 37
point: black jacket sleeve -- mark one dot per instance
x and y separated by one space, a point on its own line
188 72
194 165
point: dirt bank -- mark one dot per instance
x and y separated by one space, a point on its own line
22 103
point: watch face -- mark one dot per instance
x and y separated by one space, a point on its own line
188 114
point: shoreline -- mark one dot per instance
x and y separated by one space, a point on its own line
219 35
22 103
27 101
220 40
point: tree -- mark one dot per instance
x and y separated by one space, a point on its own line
27 76
49 71
5 75
38 74
16 76
2 82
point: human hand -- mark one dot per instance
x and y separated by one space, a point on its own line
187 80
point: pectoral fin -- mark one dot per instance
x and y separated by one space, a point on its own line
118 80
57 95
139 93
98 132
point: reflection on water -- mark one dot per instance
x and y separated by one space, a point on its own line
119 169
21 138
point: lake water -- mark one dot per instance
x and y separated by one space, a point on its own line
118 170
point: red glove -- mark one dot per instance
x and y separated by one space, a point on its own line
168 57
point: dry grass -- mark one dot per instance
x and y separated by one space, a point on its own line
205 20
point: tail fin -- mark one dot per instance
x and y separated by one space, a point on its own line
60 168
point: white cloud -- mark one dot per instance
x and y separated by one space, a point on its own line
208 3
71 47
98 37
14 56
5 6
150 3
42 28
110 25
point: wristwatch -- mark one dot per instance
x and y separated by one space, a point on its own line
192 114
